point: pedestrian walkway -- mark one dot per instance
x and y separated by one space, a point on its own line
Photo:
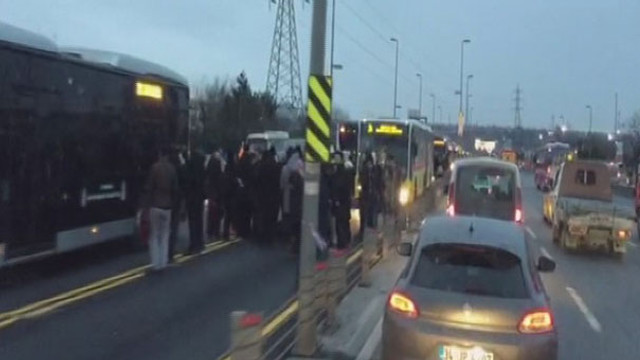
360 314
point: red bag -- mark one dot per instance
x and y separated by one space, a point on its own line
144 225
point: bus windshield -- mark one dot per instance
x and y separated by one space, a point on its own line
395 146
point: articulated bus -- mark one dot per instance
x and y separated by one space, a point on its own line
79 130
408 142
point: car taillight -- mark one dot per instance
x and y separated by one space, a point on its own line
403 305
518 213
537 321
548 170
451 200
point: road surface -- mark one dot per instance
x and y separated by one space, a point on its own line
595 297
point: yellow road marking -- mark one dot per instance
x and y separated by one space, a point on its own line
41 311
43 306
281 318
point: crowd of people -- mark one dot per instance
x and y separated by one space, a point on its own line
257 196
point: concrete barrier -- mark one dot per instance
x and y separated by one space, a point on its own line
246 338
306 316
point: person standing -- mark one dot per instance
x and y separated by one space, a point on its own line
214 194
296 183
245 203
228 197
268 195
195 195
293 163
341 201
177 160
161 190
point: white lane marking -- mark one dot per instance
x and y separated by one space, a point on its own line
545 252
533 235
591 319
372 343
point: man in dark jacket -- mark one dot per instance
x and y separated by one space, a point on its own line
268 192
195 195
341 201
159 198
228 196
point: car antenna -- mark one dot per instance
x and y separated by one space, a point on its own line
471 227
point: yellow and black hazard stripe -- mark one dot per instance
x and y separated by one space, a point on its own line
318 133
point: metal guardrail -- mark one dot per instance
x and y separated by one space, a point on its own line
279 332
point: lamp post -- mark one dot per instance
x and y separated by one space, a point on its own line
395 87
420 95
433 108
440 110
465 41
590 117
469 77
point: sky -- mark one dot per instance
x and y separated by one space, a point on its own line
564 55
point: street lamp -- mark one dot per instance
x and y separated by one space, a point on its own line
440 110
433 108
465 41
420 98
469 77
590 117
395 87
333 31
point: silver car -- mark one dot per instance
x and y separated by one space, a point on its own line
471 291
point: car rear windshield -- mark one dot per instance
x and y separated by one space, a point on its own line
486 191
470 269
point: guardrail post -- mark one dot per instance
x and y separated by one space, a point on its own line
369 247
321 287
246 339
337 283
306 315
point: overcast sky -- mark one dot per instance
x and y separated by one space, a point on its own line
564 54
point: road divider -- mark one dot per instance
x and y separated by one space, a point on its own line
45 306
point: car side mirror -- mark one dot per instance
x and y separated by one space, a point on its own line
546 264
405 249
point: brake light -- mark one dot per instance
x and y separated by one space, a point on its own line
518 212
403 305
537 321
451 200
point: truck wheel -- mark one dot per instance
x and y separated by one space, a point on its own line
564 238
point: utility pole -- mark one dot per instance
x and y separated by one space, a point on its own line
615 117
466 111
395 86
307 337
440 110
433 109
517 122
419 75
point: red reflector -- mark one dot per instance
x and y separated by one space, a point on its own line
321 266
402 304
537 321
250 320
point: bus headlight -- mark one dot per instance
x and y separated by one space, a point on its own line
403 196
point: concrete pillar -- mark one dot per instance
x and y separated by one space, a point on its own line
246 337
321 286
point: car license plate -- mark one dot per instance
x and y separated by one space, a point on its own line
448 352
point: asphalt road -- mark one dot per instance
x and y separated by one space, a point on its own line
181 313
595 297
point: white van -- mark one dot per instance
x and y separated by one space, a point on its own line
260 142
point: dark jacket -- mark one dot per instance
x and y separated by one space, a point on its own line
214 179
194 186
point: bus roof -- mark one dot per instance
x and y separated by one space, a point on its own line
16 35
33 41
125 62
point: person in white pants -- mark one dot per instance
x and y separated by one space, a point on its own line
160 192
159 237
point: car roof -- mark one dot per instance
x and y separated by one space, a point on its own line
486 161
505 235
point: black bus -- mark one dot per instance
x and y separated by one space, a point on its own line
79 130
